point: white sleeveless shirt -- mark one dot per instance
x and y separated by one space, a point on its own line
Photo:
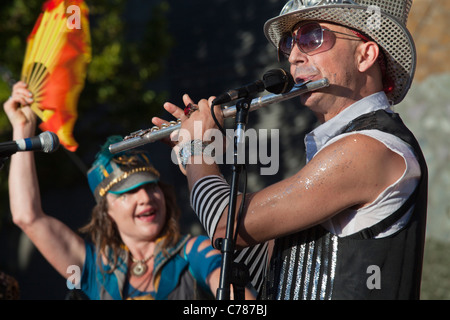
389 200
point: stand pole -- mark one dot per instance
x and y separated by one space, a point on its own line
2 162
227 244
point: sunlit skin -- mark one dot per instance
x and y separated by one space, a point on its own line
349 173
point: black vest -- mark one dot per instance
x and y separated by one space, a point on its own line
315 264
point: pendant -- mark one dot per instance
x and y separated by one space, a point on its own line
138 269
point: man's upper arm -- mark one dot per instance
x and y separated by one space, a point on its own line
350 172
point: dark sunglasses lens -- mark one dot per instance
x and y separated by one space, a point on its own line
286 44
309 37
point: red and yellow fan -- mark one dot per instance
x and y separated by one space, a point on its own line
58 52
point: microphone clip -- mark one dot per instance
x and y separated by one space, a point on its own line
275 81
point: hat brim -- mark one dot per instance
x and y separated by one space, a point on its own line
133 181
392 37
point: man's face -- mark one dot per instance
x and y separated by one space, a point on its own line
335 60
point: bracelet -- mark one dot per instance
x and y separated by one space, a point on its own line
194 148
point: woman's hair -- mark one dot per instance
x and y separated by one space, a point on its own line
103 232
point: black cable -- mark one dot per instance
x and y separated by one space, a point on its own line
217 121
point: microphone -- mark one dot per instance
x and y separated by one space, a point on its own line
275 81
45 142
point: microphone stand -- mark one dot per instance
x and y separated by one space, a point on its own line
227 244
2 162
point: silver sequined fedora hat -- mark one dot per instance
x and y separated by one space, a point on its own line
384 21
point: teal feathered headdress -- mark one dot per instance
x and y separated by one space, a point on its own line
121 172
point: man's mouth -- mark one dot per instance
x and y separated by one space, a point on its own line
304 79
305 73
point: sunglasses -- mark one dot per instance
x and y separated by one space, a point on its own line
308 38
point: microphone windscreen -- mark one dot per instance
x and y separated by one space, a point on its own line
278 81
49 141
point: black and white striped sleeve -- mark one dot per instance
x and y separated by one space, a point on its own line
255 258
209 197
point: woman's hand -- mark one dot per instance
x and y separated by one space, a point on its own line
17 108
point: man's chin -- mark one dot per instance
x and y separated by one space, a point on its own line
306 99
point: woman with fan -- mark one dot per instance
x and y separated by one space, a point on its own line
134 249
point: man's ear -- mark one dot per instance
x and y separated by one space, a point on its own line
366 55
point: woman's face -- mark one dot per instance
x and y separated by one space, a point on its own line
140 214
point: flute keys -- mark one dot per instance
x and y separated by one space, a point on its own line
135 134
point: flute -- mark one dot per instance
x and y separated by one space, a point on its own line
141 137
